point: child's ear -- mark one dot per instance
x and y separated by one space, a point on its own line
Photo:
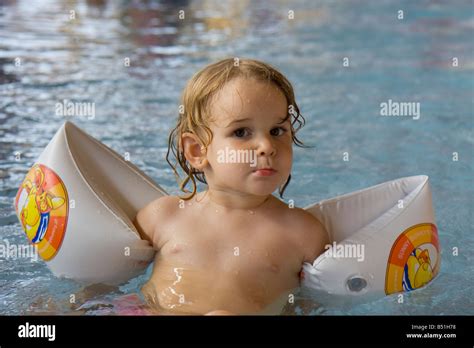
194 151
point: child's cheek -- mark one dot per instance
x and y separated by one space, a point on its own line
237 144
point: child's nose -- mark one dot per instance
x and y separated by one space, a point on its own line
265 147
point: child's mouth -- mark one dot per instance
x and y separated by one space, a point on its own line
265 172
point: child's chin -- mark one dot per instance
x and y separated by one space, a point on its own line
262 191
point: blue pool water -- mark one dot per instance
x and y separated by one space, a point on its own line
46 58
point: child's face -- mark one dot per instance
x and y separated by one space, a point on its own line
247 128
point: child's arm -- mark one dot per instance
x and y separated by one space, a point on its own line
316 237
154 215
144 224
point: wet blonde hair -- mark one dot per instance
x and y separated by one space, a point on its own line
194 116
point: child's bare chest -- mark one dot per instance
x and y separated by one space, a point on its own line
239 244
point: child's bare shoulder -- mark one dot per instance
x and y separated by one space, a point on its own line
311 231
155 214
159 208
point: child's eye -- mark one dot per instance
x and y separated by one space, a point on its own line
277 131
241 132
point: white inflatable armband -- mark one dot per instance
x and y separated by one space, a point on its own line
76 205
384 240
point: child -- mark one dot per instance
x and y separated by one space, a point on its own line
233 248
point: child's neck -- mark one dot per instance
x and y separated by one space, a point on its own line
234 200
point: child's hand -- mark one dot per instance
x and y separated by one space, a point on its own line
148 291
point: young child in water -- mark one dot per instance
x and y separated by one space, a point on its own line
234 248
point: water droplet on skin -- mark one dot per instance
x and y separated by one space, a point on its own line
217 211
251 212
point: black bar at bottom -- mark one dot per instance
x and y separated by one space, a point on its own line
428 330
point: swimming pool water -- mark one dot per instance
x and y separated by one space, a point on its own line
46 58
